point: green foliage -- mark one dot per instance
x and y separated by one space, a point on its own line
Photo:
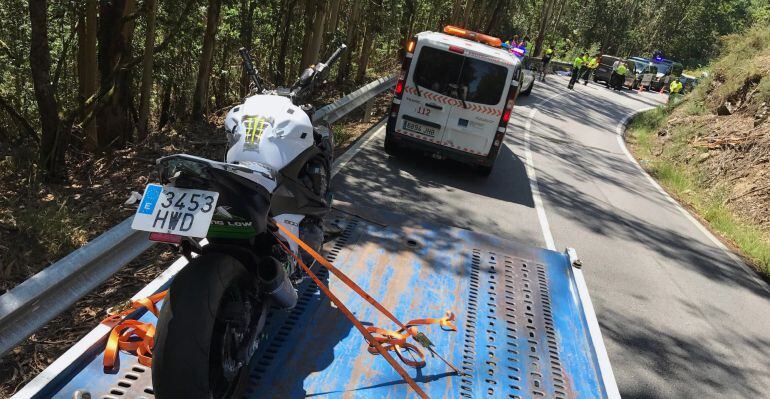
742 67
673 166
687 30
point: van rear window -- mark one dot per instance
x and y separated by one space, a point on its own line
452 74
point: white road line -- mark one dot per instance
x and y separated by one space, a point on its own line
620 130
343 160
533 186
605 368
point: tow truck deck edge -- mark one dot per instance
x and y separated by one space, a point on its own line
523 325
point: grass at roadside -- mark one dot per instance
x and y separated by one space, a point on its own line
672 163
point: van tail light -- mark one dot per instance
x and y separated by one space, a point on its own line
508 106
165 237
507 112
410 46
399 88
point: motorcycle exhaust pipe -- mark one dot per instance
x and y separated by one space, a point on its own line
274 280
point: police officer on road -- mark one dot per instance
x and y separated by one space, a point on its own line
674 88
620 76
591 65
577 70
547 55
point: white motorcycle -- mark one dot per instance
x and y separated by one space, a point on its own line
277 170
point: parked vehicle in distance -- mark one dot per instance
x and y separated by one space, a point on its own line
604 70
666 70
688 83
454 97
527 81
642 66
529 71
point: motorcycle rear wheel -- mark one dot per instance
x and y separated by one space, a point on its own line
192 357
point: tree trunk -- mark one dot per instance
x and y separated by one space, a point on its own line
246 37
366 51
88 75
307 38
165 105
407 18
546 11
285 36
494 20
147 64
220 92
51 143
352 42
200 98
333 21
467 14
113 120
457 9
318 32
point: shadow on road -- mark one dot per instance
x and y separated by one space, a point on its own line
686 361
413 184
597 216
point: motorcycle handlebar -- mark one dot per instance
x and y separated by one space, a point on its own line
249 65
337 53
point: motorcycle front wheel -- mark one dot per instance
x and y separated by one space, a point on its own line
206 312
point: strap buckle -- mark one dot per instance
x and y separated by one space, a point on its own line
120 308
423 340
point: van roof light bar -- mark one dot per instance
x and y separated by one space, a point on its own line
471 35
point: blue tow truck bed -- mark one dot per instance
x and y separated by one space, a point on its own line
523 318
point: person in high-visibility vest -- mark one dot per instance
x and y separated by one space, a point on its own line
674 88
584 70
577 69
591 65
547 55
620 76
528 46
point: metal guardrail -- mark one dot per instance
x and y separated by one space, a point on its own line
554 65
33 303
336 110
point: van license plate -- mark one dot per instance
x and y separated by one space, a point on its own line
174 210
419 128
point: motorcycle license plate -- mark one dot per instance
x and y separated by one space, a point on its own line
418 128
174 210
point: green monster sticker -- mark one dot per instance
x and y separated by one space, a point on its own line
255 125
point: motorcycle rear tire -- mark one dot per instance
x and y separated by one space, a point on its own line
182 365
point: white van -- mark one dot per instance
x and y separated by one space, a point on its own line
454 97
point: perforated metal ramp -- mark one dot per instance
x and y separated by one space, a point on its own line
522 332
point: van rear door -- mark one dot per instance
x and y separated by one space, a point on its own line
426 102
473 123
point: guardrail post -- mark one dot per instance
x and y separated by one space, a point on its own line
368 110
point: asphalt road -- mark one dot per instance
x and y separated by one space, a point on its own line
680 318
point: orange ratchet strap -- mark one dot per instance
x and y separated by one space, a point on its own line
131 335
380 341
